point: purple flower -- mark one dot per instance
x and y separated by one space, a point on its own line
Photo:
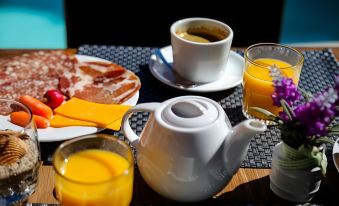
284 116
317 114
337 89
337 83
301 121
284 88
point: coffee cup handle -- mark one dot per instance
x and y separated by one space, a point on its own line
126 127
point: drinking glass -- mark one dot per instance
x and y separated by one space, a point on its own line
258 80
19 154
94 169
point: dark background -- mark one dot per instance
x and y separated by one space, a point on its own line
147 23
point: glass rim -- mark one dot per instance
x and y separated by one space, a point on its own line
300 62
90 136
25 107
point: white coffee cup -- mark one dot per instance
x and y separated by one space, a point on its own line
197 61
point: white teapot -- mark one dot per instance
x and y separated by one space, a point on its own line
188 150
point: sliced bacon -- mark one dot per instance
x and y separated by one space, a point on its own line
105 83
96 69
35 73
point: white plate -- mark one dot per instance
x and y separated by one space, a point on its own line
335 154
232 76
57 134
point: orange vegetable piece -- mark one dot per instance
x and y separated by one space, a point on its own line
36 106
41 122
21 118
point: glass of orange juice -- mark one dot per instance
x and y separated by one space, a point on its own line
94 170
258 80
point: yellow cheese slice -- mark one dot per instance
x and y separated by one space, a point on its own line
62 121
101 114
115 125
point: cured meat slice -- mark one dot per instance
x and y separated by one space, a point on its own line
33 73
100 82
37 72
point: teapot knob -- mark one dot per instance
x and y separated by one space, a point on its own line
188 109
190 113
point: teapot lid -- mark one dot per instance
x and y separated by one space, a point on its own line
190 112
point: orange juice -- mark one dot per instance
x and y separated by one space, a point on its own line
95 177
258 84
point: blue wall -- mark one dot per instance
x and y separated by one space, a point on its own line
32 24
310 21
41 23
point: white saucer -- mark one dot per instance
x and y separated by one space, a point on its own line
335 154
232 76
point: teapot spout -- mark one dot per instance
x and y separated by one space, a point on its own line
236 145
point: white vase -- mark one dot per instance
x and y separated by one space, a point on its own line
294 183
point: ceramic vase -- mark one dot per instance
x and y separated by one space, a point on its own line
293 176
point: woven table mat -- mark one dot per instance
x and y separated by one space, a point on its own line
319 70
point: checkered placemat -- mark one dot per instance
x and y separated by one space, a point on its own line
318 72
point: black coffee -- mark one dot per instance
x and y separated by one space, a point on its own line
203 34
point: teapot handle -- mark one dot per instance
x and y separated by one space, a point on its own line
126 127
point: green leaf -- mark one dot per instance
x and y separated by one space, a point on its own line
334 128
287 109
308 96
316 154
333 133
268 115
324 140
312 138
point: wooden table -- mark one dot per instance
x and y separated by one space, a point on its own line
247 185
